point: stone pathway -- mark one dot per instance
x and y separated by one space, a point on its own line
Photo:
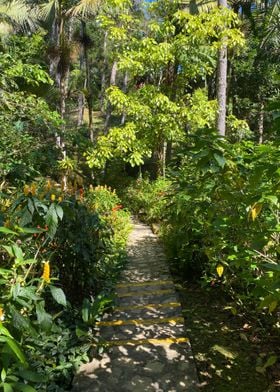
148 348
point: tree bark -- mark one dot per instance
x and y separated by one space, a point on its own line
81 98
113 79
125 85
104 69
222 84
261 123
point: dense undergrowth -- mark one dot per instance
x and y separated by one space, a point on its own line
219 220
60 255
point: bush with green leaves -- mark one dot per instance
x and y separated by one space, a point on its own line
72 249
146 199
222 217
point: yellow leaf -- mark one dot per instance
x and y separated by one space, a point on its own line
272 306
255 211
220 270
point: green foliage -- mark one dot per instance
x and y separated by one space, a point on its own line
26 120
147 199
224 211
173 51
43 338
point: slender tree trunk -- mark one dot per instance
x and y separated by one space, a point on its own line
81 108
222 84
54 57
89 96
159 159
64 40
261 123
164 151
125 85
113 79
81 98
104 69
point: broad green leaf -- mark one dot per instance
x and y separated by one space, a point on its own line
270 361
14 347
32 376
7 231
24 387
7 387
59 211
220 160
4 331
30 230
44 318
272 199
58 295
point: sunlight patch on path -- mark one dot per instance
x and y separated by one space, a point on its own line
145 336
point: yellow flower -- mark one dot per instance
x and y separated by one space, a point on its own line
2 315
33 189
220 270
46 272
26 190
53 197
48 185
60 199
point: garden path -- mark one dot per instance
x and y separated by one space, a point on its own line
148 350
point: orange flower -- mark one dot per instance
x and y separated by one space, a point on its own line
117 207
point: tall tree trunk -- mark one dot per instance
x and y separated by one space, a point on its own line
64 70
113 79
125 85
261 123
104 69
81 98
222 84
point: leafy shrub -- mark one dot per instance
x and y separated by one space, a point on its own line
222 218
43 338
146 199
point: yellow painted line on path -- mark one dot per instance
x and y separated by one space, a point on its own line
148 283
141 293
165 320
146 341
148 306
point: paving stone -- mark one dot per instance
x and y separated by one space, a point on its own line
146 338
155 331
146 313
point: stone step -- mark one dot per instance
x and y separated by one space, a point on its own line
147 298
173 328
155 367
139 276
151 283
144 313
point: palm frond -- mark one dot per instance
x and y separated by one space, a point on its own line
47 9
18 14
85 8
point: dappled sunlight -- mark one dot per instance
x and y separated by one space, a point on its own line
146 348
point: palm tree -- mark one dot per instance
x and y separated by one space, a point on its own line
16 15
